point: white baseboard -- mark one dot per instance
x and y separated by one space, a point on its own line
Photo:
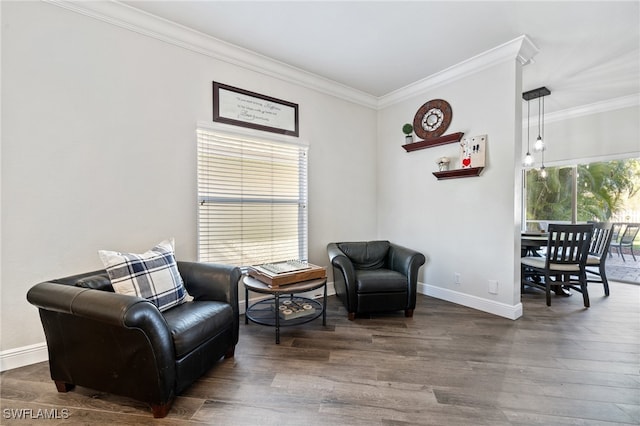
26 355
484 305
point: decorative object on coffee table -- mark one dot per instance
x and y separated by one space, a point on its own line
287 272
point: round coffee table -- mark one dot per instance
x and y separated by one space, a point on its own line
294 310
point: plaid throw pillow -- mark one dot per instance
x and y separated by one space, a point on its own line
153 275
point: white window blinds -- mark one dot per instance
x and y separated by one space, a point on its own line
252 196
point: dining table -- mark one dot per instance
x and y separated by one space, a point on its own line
532 242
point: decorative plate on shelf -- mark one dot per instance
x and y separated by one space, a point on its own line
432 119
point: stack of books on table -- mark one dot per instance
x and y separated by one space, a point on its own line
286 272
295 308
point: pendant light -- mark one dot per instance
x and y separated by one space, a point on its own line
539 145
543 171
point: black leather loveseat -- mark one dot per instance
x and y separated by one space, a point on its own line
124 345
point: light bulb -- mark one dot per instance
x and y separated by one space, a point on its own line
528 159
539 145
543 172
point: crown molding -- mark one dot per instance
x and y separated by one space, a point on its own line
521 49
594 108
130 18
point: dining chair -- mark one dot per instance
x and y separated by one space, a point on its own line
597 257
618 228
626 240
564 263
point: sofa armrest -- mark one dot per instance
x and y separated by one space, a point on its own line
340 260
344 275
405 261
103 306
212 281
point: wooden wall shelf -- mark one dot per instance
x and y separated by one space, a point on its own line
442 140
459 173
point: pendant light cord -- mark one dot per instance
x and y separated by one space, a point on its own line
528 127
542 135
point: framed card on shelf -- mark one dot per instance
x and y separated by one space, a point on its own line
472 152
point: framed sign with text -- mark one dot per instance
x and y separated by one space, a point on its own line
248 109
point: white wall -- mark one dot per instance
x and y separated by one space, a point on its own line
98 150
614 133
462 225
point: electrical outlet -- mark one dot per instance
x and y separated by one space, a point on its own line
493 286
456 278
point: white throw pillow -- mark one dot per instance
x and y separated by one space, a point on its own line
153 275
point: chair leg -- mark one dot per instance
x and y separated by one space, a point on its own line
62 386
617 249
632 254
351 316
583 287
603 277
408 313
547 288
230 352
161 410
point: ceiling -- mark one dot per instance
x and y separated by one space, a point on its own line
589 51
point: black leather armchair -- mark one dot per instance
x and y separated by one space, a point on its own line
375 276
124 345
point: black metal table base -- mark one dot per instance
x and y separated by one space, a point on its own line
267 311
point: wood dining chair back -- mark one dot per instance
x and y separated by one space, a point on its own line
564 263
600 242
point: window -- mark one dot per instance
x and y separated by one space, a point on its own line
597 191
252 198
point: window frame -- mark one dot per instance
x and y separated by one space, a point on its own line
573 164
260 137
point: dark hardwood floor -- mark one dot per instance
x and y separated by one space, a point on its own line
448 365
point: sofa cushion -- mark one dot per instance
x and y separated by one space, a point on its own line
366 254
95 282
380 281
153 275
193 323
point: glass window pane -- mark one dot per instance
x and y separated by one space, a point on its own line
605 191
548 199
